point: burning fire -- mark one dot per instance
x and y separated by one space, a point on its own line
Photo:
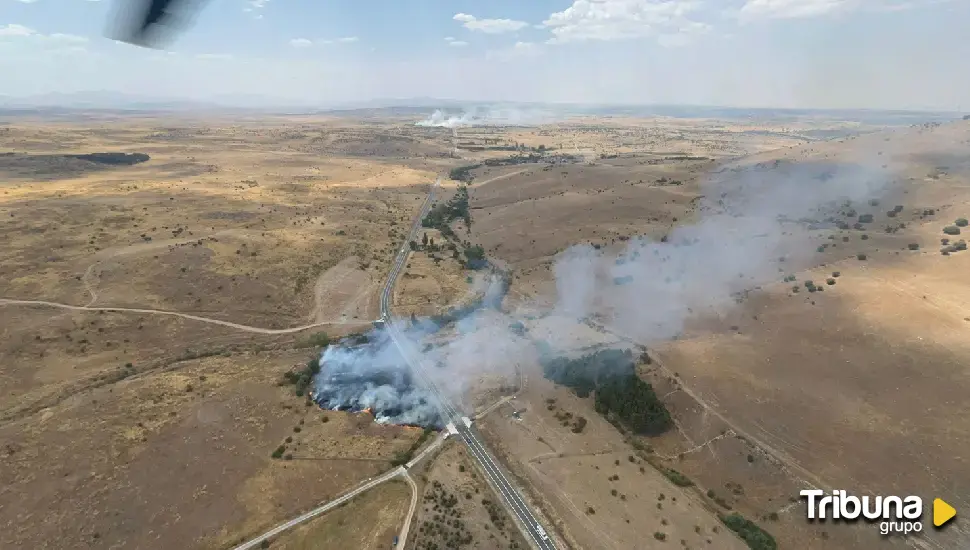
369 411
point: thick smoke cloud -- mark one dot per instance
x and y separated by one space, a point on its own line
373 376
753 224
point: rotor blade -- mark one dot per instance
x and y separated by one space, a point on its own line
151 23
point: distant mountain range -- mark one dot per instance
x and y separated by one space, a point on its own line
119 101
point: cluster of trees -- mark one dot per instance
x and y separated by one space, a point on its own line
619 394
463 173
634 403
756 537
442 214
518 159
114 158
302 379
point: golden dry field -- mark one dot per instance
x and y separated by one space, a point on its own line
150 308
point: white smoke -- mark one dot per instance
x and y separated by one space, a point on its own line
489 116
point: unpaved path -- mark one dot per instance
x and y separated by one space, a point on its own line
247 328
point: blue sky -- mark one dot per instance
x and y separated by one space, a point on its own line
792 53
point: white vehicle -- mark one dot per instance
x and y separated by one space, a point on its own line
542 532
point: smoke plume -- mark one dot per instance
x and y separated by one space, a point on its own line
753 223
488 116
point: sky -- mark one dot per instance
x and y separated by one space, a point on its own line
879 54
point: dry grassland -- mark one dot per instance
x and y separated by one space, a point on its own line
455 490
148 430
859 387
368 522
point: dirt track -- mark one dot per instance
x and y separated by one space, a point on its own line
260 330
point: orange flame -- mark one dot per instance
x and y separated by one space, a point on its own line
369 411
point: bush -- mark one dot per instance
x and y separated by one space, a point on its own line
755 537
316 340
830 281
659 536
278 453
861 257
913 246
865 218
951 230
961 222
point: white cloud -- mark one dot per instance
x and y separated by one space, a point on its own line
26 1
796 9
300 43
13 29
489 26
344 40
213 56
455 43
608 20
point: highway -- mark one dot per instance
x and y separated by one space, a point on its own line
510 497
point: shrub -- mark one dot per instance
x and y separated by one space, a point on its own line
315 340
960 222
836 273
659 536
913 246
951 230
755 537
278 453
861 257
865 218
